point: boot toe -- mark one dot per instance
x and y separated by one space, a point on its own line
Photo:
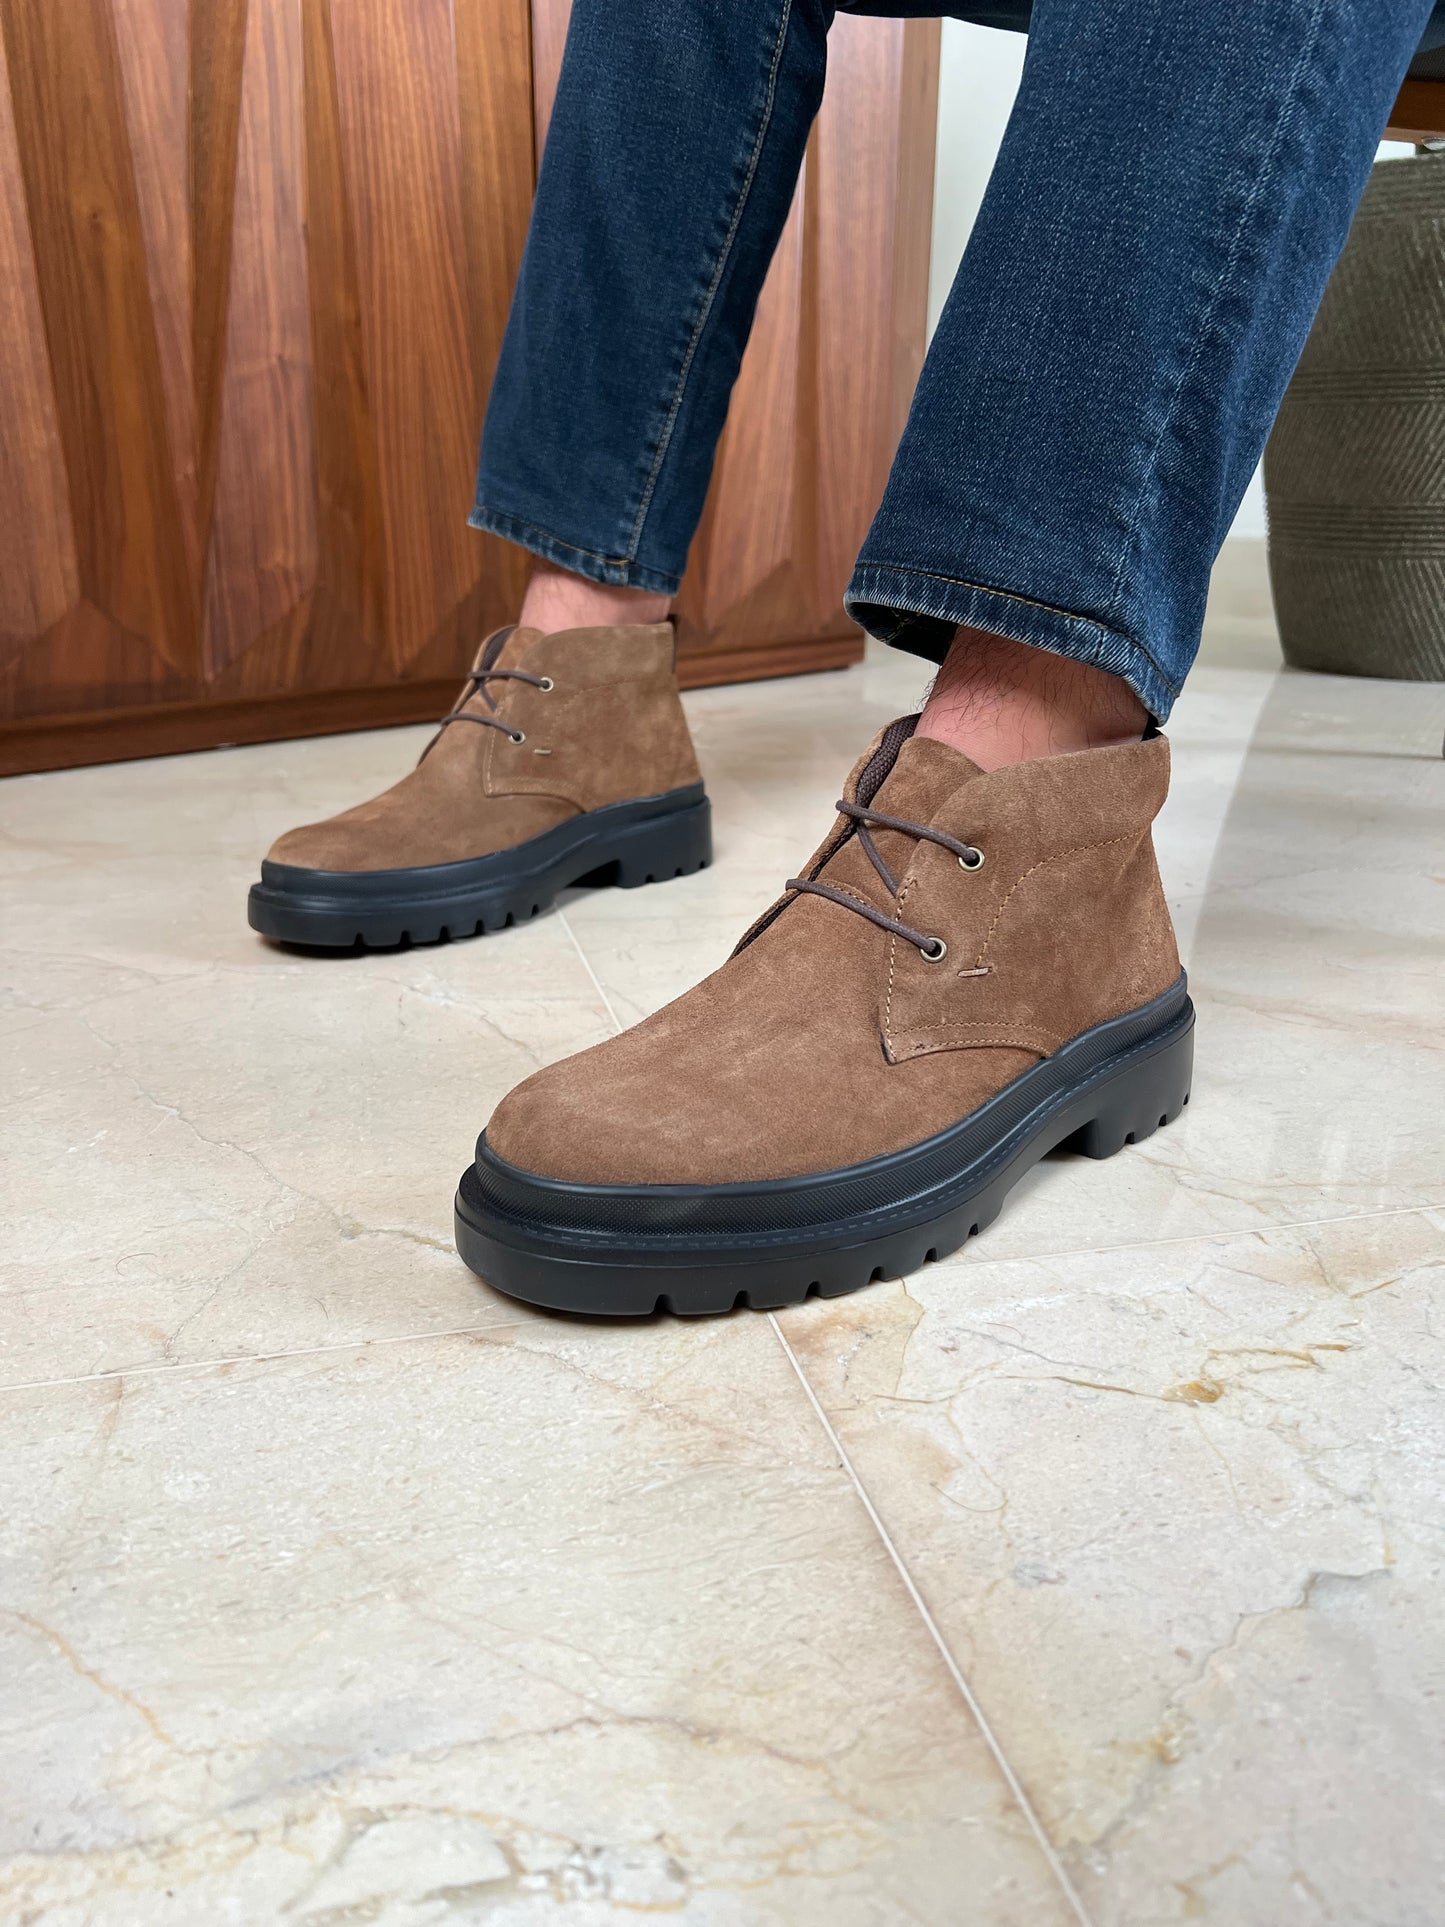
576 1123
311 846
368 837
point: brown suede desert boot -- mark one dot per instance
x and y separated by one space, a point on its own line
566 757
973 969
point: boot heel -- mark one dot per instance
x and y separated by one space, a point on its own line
1133 1105
669 846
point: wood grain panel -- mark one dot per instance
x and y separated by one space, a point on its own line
494 67
401 138
858 156
1419 113
348 634
39 580
255 263
250 297
60 742
217 39
262 560
89 248
153 45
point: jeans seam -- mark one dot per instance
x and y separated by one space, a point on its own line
1010 595
709 297
1251 203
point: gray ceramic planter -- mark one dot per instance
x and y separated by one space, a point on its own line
1355 468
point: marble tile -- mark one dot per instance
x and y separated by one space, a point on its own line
1178 1512
562 1623
143 867
213 1148
426 1608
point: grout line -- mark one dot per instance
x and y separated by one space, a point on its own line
1001 1760
256 1358
1011 1779
617 1024
461 1331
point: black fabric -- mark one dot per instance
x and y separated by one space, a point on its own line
1422 67
1013 17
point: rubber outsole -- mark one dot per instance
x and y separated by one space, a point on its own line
651 839
697 1251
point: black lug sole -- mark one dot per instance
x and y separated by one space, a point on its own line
648 840
631 1250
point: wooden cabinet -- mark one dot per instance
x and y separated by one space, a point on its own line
255 257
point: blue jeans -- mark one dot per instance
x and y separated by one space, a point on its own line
1174 186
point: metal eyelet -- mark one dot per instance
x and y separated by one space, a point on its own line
546 683
517 736
937 954
974 861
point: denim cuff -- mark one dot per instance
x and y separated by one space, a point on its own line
914 610
616 570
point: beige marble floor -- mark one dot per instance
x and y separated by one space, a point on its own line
1093 1575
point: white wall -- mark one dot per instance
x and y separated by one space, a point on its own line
978 79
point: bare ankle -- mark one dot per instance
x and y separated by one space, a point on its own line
556 599
1000 701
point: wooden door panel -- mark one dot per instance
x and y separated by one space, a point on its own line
252 288
39 576
83 217
255 261
400 141
260 565
151 46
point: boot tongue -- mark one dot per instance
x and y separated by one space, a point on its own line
925 773
492 648
503 649
457 751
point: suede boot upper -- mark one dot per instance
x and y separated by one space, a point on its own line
610 728
825 1040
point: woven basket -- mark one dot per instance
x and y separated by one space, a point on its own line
1354 473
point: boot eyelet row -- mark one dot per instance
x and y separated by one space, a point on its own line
937 954
971 862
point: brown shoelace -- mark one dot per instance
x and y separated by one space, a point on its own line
459 713
933 949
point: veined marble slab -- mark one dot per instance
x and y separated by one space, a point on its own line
1179 1512
554 1623
335 1588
